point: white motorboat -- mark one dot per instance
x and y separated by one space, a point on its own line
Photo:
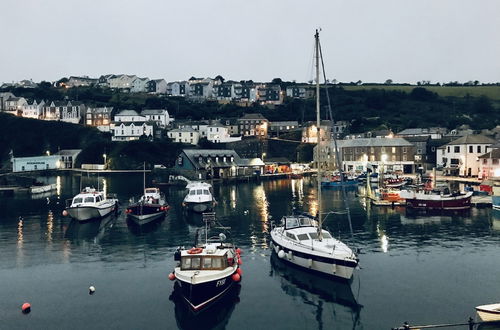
489 313
205 272
301 240
42 188
199 197
297 240
151 206
90 204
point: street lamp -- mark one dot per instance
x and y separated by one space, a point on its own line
104 156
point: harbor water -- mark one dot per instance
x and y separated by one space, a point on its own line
420 268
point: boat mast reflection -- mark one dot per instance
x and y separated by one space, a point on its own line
90 230
316 290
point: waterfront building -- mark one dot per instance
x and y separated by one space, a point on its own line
269 94
310 131
14 105
68 157
36 163
67 111
489 163
218 133
432 132
253 124
184 135
461 156
216 163
300 91
357 155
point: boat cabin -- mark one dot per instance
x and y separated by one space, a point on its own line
88 196
312 235
299 221
152 195
203 191
208 258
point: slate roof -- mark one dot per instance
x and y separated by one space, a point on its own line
252 116
376 142
472 139
153 112
127 113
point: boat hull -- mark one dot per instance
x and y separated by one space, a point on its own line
200 295
199 207
143 214
338 268
451 204
85 213
338 183
489 313
496 202
43 189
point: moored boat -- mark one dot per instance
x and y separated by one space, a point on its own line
151 206
42 188
90 204
199 197
437 199
205 272
495 197
489 313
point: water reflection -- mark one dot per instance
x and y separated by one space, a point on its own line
318 291
90 230
150 227
215 316
495 219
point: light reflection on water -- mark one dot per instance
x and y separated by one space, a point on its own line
402 252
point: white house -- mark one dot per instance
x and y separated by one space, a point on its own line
34 110
461 156
129 125
184 135
159 116
14 105
178 88
218 133
121 81
139 85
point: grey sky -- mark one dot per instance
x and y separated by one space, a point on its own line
406 41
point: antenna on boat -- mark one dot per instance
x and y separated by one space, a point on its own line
337 155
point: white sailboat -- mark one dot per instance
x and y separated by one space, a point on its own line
301 240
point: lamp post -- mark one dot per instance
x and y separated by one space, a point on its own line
104 156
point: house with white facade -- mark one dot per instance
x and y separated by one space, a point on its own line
461 156
300 91
200 88
159 116
67 111
489 163
14 105
178 88
184 135
128 125
139 85
33 110
121 81
218 133
3 99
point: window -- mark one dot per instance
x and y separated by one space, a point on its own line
199 192
478 149
303 237
326 234
471 149
291 236
88 200
313 235
456 149
448 150
405 150
192 192
495 161
207 263
393 150
485 161
77 200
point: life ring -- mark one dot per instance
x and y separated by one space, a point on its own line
195 250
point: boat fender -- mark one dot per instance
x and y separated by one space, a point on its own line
195 250
281 254
171 276
236 277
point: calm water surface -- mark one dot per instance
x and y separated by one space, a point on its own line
418 268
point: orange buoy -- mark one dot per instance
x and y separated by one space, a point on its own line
65 213
239 251
171 276
26 308
239 271
239 261
236 277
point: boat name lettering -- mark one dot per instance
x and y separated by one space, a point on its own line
220 282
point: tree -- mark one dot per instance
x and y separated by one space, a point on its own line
388 82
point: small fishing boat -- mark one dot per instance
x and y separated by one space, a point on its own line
495 197
338 179
489 313
40 188
206 271
90 204
151 206
437 199
199 197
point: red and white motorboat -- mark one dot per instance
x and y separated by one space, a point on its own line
437 199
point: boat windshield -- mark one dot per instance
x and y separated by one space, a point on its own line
205 262
199 192
293 222
206 192
77 200
89 200
192 192
150 191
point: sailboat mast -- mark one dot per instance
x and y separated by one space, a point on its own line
318 136
144 178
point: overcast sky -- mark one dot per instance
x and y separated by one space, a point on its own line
371 41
